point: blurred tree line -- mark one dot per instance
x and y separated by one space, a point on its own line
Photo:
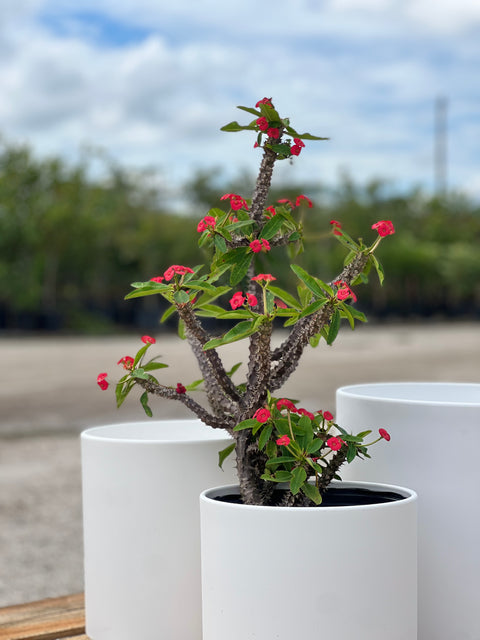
70 243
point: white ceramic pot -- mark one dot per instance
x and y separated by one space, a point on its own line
435 445
141 483
309 572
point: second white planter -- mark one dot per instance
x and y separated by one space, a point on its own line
343 572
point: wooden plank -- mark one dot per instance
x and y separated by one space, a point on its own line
48 619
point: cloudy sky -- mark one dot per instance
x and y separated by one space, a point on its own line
152 81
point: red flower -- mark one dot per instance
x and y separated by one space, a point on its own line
334 443
176 269
283 441
299 142
236 201
299 201
260 245
102 383
280 304
336 227
157 279
265 101
237 300
262 415
304 412
267 277
284 403
127 362
384 434
286 201
327 415
208 222
295 150
271 209
252 300
262 123
384 228
148 340
273 132
180 388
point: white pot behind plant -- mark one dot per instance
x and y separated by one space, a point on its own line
343 573
141 483
435 445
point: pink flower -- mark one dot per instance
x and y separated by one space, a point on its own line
157 279
284 403
208 222
295 150
384 434
266 101
299 201
260 245
148 340
176 269
327 415
237 300
180 388
273 132
127 362
344 291
283 441
264 277
384 227
102 383
334 443
236 201
262 415
262 123
271 209
251 300
304 412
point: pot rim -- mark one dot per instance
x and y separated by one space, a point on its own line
103 433
373 391
410 496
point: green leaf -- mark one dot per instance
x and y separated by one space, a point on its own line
234 126
222 455
274 462
285 296
308 280
245 424
272 227
265 436
314 446
238 332
334 327
299 475
351 452
169 312
312 492
140 354
240 268
147 290
255 112
234 369
181 297
282 476
140 373
144 403
378 268
313 308
150 366
220 244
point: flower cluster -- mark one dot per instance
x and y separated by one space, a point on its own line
236 201
301 445
238 300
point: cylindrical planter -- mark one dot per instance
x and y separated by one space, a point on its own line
141 483
435 430
343 572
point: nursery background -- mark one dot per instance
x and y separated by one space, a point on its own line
110 154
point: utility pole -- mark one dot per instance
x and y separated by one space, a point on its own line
440 151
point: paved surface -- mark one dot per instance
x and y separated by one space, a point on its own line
48 395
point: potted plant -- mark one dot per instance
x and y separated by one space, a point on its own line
285 516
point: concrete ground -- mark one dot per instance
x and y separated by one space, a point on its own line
48 394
